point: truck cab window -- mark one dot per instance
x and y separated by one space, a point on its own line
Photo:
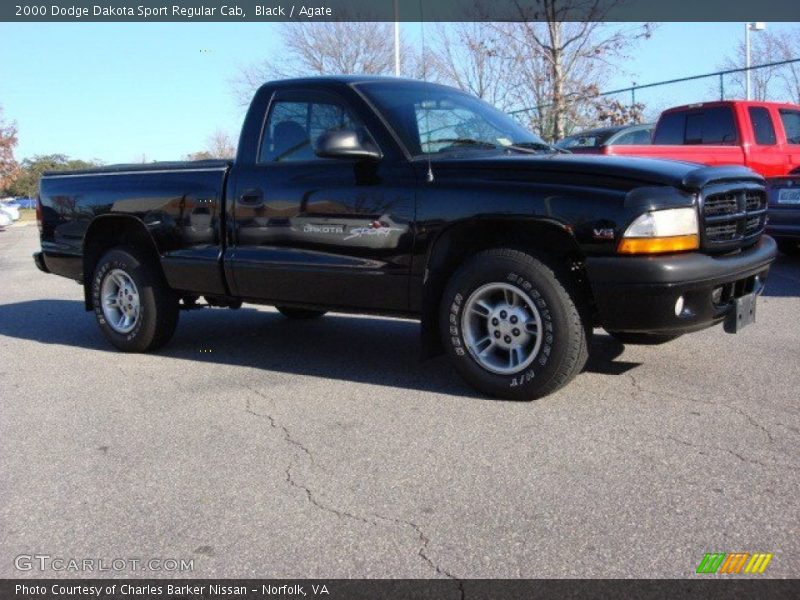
718 126
791 125
293 129
763 130
713 125
670 129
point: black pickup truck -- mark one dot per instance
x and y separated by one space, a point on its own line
398 197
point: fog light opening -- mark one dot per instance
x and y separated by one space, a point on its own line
679 306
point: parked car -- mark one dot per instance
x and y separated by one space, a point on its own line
598 141
764 136
11 208
395 197
5 219
29 203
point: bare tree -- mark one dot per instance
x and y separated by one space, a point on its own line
566 62
8 141
326 48
787 47
764 48
470 56
547 66
219 144
615 112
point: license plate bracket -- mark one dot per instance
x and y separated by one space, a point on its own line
743 314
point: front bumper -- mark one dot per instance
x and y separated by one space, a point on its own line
639 293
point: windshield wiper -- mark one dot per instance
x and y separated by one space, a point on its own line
462 142
536 148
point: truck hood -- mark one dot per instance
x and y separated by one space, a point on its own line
582 169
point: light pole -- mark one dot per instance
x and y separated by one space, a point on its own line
748 27
396 38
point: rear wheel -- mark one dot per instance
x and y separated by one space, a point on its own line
642 339
135 310
789 247
299 313
512 326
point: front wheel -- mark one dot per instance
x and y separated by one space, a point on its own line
135 310
512 326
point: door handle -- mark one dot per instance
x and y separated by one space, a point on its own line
251 197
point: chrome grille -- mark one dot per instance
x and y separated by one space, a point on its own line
752 224
755 200
725 232
721 204
733 215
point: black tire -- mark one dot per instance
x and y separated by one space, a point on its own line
158 304
642 339
302 314
789 247
563 350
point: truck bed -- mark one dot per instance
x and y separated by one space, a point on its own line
182 165
178 203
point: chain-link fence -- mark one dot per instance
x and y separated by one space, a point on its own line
779 81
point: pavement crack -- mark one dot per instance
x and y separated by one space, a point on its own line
750 419
637 386
733 453
290 479
314 500
287 435
342 514
422 552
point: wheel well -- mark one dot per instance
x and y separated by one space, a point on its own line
107 232
549 241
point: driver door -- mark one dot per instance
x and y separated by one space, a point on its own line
332 232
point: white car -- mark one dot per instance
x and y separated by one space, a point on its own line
11 208
5 218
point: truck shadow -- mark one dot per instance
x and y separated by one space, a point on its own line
351 348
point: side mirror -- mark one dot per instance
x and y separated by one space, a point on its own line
344 143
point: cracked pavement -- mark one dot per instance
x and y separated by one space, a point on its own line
268 448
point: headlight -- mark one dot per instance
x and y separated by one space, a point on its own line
658 231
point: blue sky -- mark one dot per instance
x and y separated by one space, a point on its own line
118 91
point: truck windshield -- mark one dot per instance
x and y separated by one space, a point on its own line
433 119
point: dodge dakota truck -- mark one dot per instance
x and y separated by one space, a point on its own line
398 197
764 136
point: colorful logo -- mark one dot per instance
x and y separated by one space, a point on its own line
734 563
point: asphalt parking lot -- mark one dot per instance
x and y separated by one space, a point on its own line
262 447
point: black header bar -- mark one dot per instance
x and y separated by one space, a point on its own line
390 589
403 10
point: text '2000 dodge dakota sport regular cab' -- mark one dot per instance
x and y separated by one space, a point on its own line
398 197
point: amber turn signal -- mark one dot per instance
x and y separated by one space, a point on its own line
659 245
